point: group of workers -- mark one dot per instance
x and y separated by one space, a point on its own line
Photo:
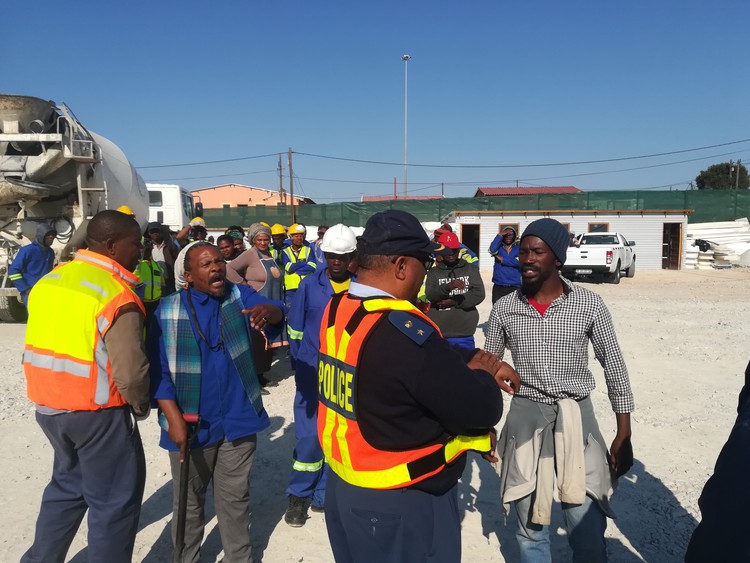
391 391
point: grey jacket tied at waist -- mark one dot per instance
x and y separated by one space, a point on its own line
539 445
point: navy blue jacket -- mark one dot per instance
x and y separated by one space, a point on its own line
507 272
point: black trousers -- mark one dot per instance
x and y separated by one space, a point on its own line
397 525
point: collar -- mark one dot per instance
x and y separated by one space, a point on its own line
361 290
106 263
568 288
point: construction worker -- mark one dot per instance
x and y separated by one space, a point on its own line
193 231
297 261
307 483
464 253
398 406
278 240
87 373
151 281
126 210
225 244
164 253
320 259
33 261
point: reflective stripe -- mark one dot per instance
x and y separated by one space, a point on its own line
294 334
57 364
52 276
312 264
16 276
98 289
307 467
101 396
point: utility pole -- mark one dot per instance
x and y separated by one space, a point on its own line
442 189
282 199
291 186
737 177
406 59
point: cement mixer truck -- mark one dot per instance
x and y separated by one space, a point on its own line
54 170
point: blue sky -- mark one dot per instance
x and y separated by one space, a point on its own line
490 84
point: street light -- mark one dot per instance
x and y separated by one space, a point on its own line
406 58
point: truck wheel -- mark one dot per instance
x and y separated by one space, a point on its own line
631 270
615 276
12 310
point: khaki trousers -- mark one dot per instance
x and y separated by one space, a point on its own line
228 465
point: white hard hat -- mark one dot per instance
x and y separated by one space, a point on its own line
339 239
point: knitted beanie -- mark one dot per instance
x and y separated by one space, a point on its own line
551 232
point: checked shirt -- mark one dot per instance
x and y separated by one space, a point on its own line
550 352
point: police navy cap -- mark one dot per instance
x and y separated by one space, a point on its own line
396 233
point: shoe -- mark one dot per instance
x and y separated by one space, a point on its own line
271 383
318 509
264 391
296 512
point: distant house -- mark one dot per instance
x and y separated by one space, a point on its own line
237 195
535 190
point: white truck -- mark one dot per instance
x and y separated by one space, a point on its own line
171 205
602 255
54 170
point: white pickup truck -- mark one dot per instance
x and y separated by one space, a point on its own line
606 255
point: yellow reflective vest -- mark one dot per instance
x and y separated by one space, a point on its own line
149 275
70 310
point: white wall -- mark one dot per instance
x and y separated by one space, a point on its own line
645 230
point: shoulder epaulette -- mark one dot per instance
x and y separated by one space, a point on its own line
412 326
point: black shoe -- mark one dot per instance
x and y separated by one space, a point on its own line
318 509
271 383
264 391
296 513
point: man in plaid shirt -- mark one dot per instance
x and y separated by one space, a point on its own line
547 326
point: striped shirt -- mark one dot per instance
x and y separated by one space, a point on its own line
550 352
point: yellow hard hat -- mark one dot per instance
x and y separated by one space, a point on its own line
197 222
265 224
297 229
278 229
126 210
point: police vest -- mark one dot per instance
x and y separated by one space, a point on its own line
292 280
346 324
70 310
149 274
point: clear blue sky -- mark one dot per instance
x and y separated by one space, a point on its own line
490 84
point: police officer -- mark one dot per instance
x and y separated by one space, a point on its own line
398 406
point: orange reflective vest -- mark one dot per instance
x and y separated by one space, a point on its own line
347 321
70 310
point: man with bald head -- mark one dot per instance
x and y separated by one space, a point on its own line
202 363
87 373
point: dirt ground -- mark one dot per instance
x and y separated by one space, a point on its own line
684 337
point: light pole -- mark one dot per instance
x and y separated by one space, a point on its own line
406 58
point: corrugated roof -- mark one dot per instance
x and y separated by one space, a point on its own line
484 192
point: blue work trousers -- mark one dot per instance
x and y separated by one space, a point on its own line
288 299
98 466
393 525
585 524
308 479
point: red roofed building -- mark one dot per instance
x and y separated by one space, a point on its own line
535 190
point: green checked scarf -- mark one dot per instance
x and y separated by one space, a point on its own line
184 356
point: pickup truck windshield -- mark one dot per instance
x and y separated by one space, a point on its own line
599 239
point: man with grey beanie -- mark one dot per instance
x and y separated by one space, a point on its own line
551 430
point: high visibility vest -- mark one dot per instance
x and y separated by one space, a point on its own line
346 324
70 310
292 280
149 275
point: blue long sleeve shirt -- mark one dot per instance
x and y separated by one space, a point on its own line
32 263
507 272
306 314
225 410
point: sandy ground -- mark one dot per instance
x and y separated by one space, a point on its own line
684 336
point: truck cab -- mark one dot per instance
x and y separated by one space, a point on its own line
170 205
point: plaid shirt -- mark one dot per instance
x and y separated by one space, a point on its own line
550 352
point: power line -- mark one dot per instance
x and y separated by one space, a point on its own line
216 176
208 161
546 164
